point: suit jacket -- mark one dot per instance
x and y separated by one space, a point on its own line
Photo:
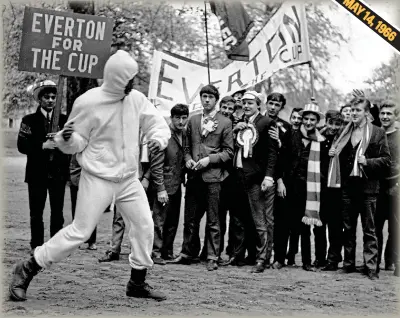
378 160
31 136
169 164
218 146
265 153
294 157
285 133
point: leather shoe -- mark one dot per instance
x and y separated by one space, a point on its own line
143 290
277 265
389 267
330 267
212 265
109 257
347 270
159 261
180 260
258 268
319 264
372 275
23 273
308 268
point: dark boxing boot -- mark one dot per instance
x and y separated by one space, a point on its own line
23 273
137 287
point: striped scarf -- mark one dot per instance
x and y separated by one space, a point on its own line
311 216
334 165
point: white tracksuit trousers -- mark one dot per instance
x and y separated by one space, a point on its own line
94 196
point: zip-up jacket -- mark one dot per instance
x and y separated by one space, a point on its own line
106 124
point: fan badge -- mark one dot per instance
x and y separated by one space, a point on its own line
246 139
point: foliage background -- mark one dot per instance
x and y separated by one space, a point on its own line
140 27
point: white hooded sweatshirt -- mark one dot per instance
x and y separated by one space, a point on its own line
107 122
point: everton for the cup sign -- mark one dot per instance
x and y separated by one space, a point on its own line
64 43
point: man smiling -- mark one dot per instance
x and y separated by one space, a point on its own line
387 203
255 163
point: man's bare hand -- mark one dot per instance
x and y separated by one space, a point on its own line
49 144
67 131
202 163
240 126
162 197
281 189
154 145
145 183
190 164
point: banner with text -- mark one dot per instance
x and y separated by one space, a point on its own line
283 42
64 43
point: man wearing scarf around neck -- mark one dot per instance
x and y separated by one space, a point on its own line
303 177
359 157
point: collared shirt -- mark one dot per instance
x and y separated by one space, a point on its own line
253 117
210 115
45 113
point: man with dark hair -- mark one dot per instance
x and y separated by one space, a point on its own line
227 106
345 111
282 133
255 162
103 129
209 147
359 158
295 118
329 212
43 174
303 179
238 114
166 207
387 207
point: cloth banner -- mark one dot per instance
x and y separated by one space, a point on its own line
235 24
283 42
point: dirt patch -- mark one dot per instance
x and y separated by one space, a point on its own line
81 286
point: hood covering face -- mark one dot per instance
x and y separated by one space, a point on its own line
118 71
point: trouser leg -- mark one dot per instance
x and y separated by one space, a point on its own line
213 239
56 196
171 223
37 199
350 216
334 224
367 209
194 210
93 197
118 230
131 200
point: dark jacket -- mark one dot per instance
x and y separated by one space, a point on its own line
378 161
295 156
169 165
31 136
265 153
218 146
285 134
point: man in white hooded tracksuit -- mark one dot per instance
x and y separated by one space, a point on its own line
103 129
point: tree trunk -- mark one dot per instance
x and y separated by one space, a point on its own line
76 86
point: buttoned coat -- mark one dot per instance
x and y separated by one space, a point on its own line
217 145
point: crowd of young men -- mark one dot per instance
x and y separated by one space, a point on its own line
276 180
279 182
